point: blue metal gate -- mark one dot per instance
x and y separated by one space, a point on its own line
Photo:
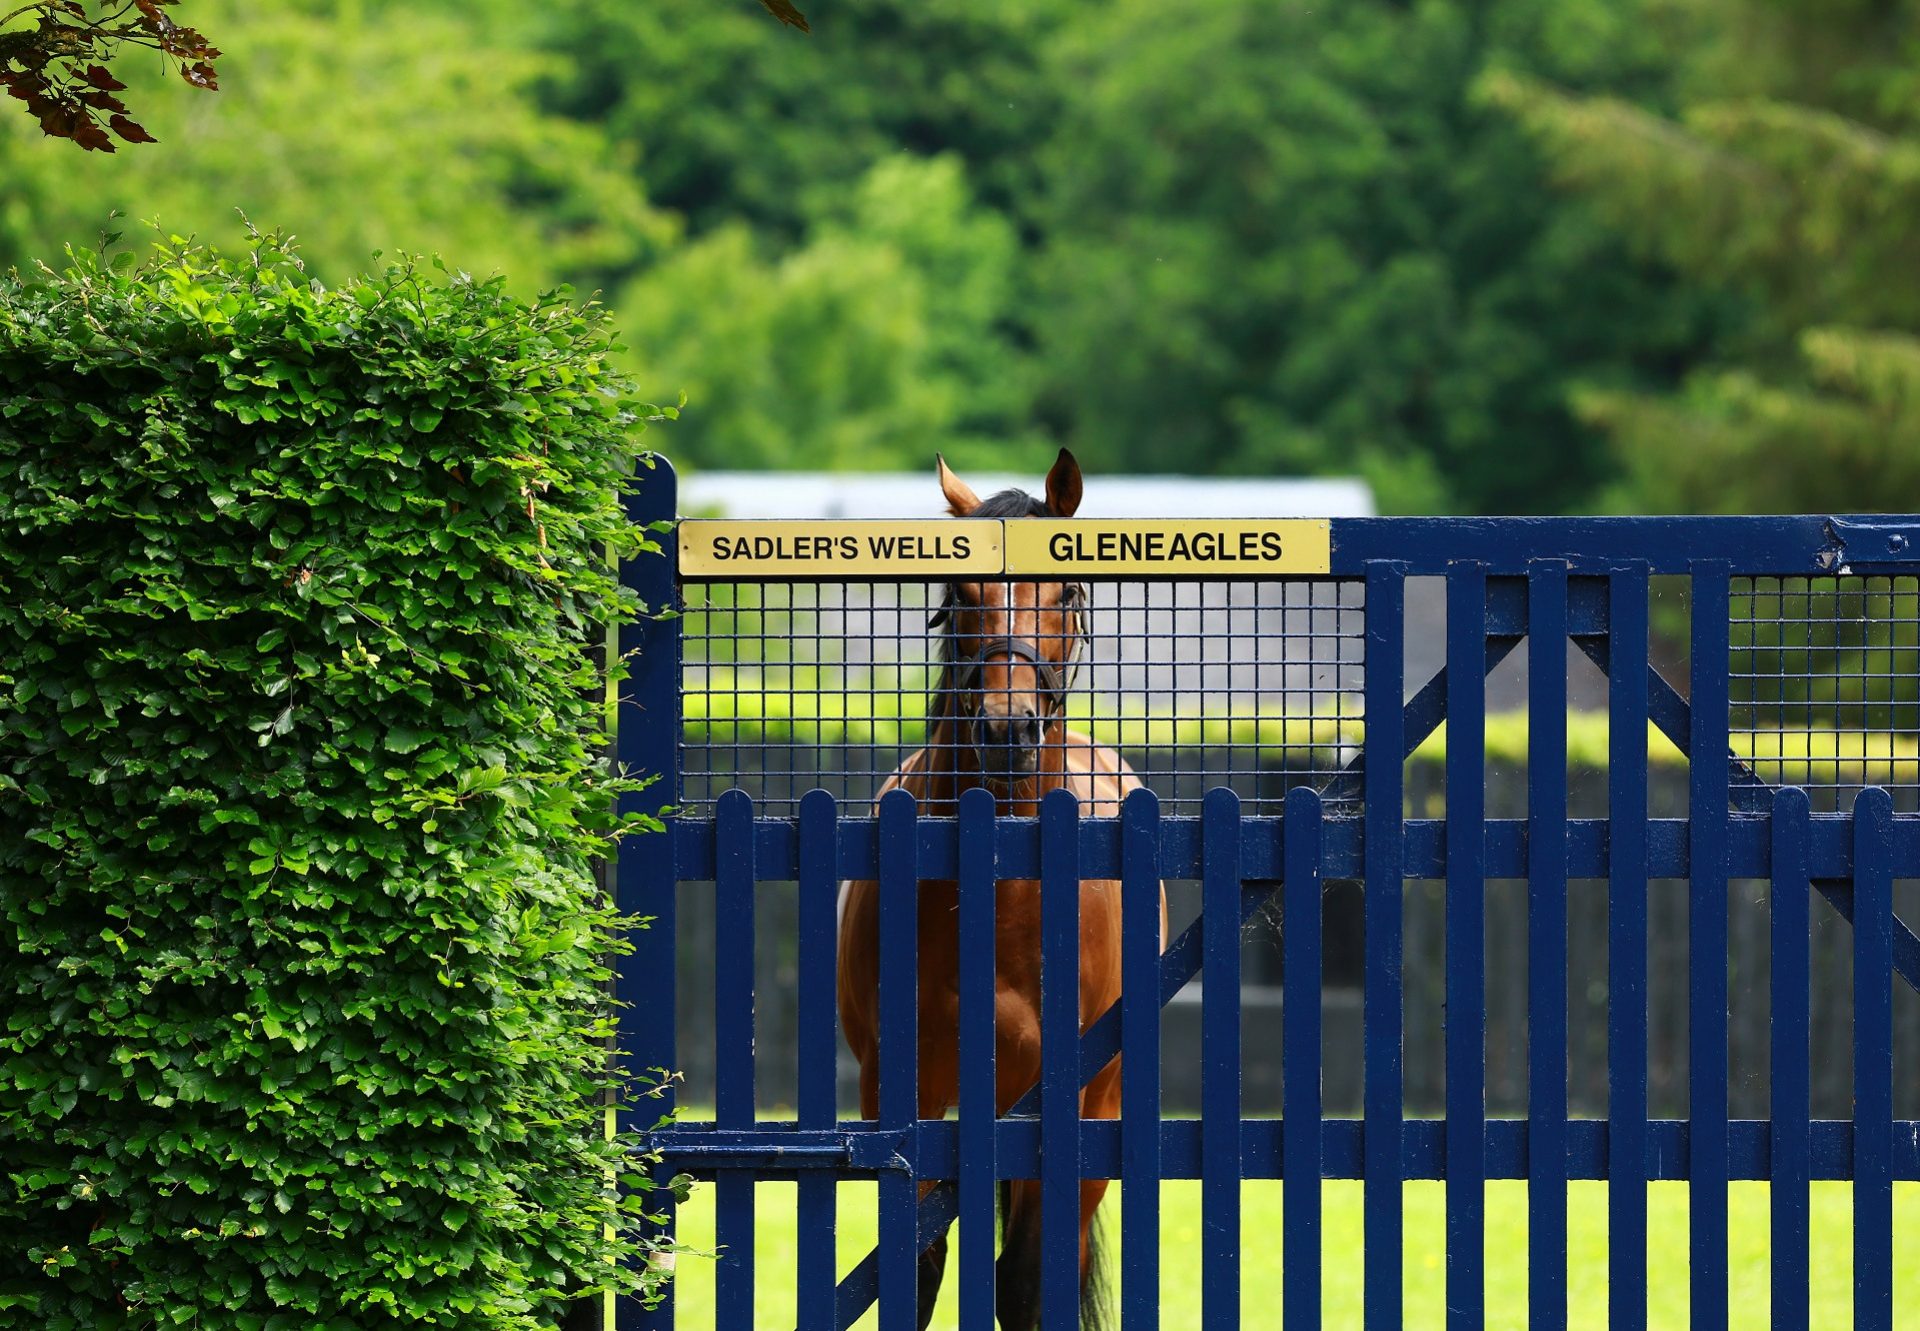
1555 581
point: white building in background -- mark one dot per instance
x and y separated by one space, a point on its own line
818 494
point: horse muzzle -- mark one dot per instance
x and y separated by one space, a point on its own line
1008 746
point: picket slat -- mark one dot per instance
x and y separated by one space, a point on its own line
1547 946
1060 1061
1790 1092
978 1068
1383 1018
1140 1062
1220 1063
899 1053
1466 929
733 1192
1707 950
1627 950
1873 1061
817 949
1301 1031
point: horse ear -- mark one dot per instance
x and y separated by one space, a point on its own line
961 500
1063 486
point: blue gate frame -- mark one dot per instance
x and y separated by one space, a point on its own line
1580 579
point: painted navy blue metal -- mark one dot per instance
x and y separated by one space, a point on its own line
733 1063
1790 1092
1343 851
1547 948
869 1151
978 1079
1790 546
1872 1062
1579 580
1140 943
647 741
898 1055
1382 1013
1707 948
1627 951
1220 902
816 951
1060 1061
1300 1061
1466 937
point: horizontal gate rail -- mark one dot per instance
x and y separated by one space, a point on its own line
931 1148
1343 855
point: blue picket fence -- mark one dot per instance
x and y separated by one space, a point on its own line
1586 581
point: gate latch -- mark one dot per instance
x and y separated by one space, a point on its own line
1870 543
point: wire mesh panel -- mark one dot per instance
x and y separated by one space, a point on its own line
789 686
1824 685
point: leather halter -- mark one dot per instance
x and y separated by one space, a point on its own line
1055 681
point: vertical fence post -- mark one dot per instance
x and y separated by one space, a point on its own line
978 888
1060 1061
899 1053
1547 946
1382 1015
1707 947
1873 1061
1627 948
1301 1033
1791 1103
818 948
1466 930
1140 945
646 743
1220 1157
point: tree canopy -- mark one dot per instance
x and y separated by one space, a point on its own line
1787 180
1519 255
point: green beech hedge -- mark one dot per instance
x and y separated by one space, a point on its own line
301 786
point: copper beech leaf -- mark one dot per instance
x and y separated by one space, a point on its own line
787 14
131 131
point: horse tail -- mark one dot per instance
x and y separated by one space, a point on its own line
1096 1311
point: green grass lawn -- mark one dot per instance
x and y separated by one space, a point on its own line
1424 1261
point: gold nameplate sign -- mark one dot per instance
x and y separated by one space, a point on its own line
1257 548
1020 547
747 549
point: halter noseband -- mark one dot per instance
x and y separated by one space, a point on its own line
1055 681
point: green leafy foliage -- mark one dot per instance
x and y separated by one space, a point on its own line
1787 183
302 787
359 128
1281 239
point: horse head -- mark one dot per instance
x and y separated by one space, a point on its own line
1011 647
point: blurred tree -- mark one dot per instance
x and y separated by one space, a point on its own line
734 123
360 127
1281 237
60 66
1790 179
880 338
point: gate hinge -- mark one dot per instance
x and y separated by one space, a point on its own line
1870 543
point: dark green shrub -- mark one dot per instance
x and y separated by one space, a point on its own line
301 785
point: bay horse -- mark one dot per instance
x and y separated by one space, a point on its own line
997 721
